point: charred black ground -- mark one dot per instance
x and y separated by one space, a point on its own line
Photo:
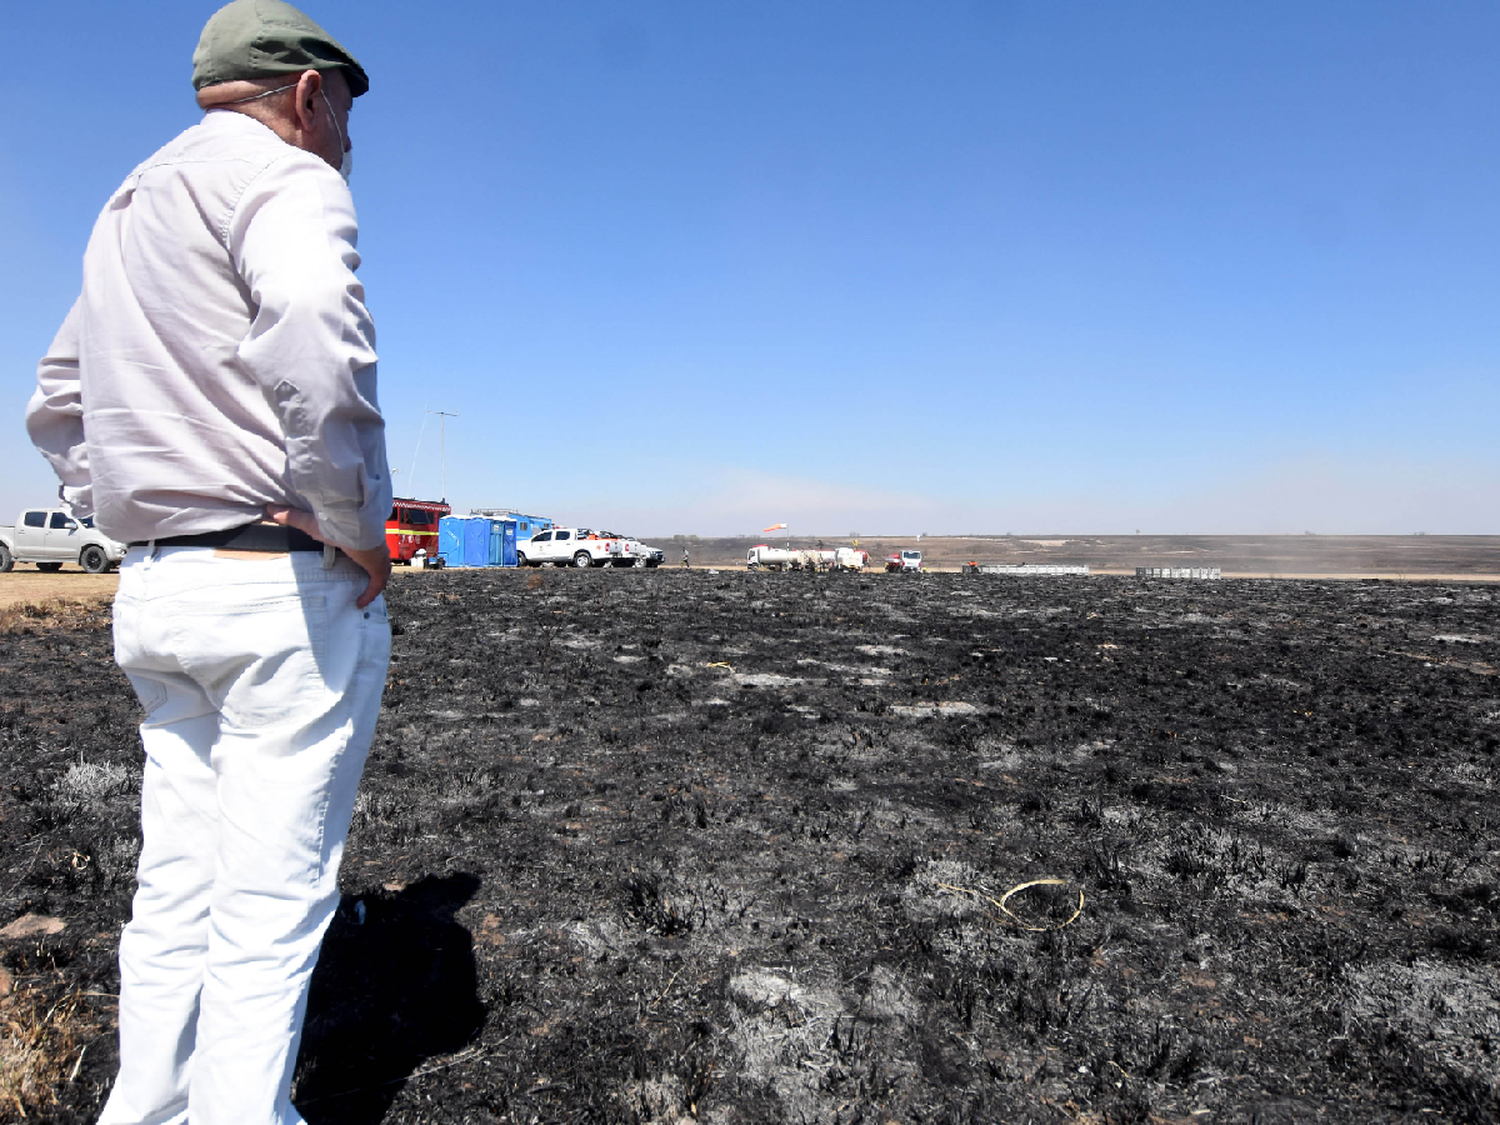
663 846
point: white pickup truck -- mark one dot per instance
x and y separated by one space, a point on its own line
581 547
50 537
904 562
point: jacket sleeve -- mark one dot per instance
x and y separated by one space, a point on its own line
311 344
54 417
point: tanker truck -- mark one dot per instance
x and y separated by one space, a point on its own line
764 556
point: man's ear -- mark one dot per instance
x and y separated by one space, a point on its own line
309 85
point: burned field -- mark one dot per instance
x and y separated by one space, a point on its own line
674 846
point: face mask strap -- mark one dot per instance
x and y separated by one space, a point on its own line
257 97
345 162
343 146
344 156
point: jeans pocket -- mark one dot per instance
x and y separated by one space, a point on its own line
130 655
276 670
151 692
374 635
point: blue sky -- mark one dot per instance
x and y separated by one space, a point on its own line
886 267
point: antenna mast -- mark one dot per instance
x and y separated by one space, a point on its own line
443 415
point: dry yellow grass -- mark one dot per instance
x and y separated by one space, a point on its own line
33 617
41 1048
34 586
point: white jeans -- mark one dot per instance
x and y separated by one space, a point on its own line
261 684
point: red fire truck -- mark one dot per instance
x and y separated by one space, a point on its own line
413 526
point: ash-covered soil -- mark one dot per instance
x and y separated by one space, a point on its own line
670 846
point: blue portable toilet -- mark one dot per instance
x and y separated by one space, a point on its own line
502 542
451 540
510 530
476 541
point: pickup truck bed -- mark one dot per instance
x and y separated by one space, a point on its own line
581 547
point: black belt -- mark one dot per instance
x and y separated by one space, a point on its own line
273 538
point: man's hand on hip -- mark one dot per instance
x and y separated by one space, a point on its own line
375 561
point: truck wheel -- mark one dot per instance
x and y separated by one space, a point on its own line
521 559
49 568
583 560
638 564
94 560
6 562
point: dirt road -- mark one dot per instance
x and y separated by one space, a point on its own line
24 585
27 585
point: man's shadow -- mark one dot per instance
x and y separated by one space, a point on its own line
395 985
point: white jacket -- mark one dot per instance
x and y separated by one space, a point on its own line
219 357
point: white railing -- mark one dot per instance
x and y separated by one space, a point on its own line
1209 572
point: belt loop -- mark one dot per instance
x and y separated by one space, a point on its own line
330 556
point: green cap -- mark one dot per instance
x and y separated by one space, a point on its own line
264 39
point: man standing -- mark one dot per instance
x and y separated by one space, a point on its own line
211 399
